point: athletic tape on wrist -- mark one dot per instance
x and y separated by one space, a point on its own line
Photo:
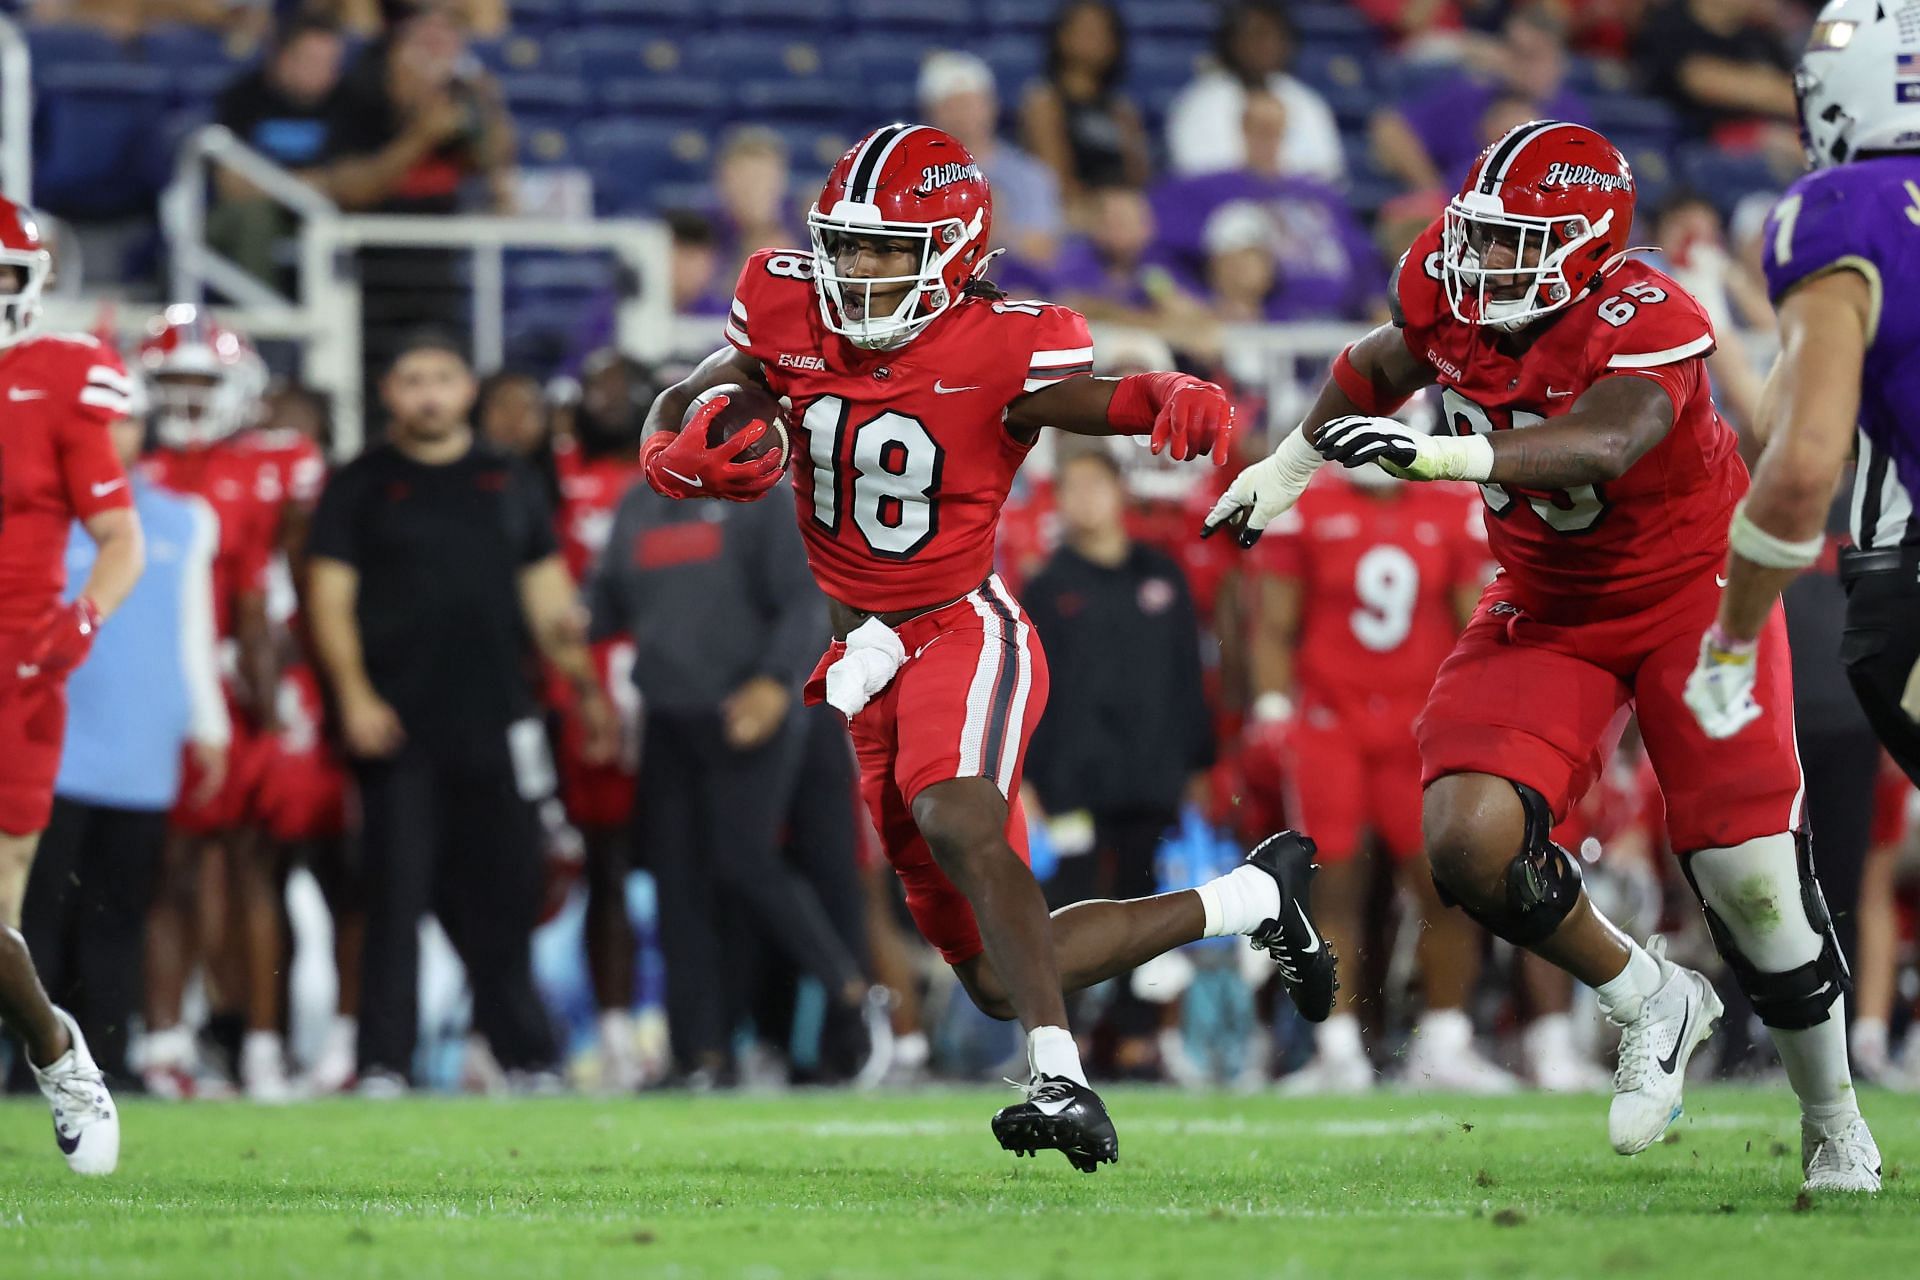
1771 551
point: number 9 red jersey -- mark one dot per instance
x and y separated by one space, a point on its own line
901 458
1607 549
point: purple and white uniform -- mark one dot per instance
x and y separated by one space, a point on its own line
1865 216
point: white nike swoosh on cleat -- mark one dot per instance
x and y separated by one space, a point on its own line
1052 1108
1310 930
686 480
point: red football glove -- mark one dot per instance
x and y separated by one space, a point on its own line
1188 416
61 642
682 465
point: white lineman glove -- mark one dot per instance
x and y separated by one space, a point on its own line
874 656
1264 491
1720 690
1401 451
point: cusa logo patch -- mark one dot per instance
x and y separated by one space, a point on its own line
1563 174
788 360
936 176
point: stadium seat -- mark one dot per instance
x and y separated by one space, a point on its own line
542 138
786 15
812 150
1016 60
1726 177
180 47
1157 17
530 17
609 52
552 95
1335 68
889 65
764 100
1159 63
674 99
97 153
654 15
1332 24
1592 77
522 53
1016 15
1626 113
55 46
746 58
954 16
629 158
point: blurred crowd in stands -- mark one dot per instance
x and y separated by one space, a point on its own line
1175 169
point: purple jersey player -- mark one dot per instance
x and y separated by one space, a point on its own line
1841 244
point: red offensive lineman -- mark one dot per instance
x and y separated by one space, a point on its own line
206 383
1363 589
1575 387
917 389
57 465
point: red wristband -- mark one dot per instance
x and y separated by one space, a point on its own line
1355 387
1137 399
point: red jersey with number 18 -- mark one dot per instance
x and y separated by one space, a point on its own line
1601 550
901 459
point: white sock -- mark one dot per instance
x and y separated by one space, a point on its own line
616 1028
1816 1062
1238 902
1338 1039
910 1050
1445 1030
1620 995
1052 1052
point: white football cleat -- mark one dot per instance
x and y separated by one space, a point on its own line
1554 1062
1848 1161
1655 1046
335 1068
1441 1058
1329 1076
263 1068
85 1123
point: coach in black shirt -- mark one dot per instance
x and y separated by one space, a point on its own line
434 586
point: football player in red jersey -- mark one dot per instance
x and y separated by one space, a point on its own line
57 465
205 383
1575 390
917 389
1362 590
595 465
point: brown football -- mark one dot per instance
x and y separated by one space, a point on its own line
746 403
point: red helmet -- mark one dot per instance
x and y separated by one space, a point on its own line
1559 198
21 247
205 380
911 182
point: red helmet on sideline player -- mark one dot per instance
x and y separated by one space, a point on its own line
204 380
21 248
909 181
1559 196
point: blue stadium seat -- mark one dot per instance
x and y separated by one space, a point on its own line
1335 68
607 52
522 53
544 138
786 15
552 95
1332 24
1157 17
653 14
1725 177
630 158
96 135
812 150
1591 77
956 17
1156 65
788 99
1626 113
1016 61
54 46
747 57
529 17
676 99
890 63
1016 15
200 86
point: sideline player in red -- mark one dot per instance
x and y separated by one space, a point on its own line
1575 387
917 389
206 383
1362 590
57 465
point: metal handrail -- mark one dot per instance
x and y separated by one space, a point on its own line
16 114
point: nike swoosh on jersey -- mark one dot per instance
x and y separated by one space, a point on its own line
1719 580
686 480
25 393
106 487
26 670
940 390
1557 395
1310 930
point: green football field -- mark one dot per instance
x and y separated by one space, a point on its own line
818 1185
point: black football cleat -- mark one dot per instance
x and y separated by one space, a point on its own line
1308 967
1059 1115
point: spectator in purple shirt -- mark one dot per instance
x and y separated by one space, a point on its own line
1430 139
1117 274
1325 266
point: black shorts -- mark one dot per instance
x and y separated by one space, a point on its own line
1880 648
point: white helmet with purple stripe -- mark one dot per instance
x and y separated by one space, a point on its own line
1859 81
